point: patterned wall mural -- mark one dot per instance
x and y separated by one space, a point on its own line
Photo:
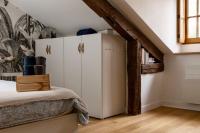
17 40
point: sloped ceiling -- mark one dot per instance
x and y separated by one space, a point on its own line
132 15
67 16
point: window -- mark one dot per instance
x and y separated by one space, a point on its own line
188 21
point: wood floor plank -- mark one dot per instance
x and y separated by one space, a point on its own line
161 120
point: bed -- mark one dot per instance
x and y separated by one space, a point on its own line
56 111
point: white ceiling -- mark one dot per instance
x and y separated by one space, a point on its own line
67 16
127 10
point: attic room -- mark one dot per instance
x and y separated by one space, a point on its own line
85 66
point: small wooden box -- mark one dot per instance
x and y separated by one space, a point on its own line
33 83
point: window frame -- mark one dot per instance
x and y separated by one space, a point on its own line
183 37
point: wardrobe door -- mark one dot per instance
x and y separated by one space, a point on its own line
72 64
92 74
52 49
55 62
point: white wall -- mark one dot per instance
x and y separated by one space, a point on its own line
179 89
151 90
182 81
127 10
160 16
178 86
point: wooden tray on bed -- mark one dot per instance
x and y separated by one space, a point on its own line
33 83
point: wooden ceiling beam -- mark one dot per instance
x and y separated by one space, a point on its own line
123 26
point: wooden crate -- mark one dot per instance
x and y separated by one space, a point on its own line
33 83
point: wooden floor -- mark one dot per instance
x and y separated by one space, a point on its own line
161 120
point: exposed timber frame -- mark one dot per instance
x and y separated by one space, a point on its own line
136 39
134 76
152 68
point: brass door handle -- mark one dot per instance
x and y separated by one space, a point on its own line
83 47
47 49
50 50
79 48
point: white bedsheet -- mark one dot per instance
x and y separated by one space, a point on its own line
9 95
7 85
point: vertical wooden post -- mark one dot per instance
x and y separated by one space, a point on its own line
134 77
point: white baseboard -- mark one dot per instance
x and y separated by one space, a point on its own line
171 104
181 105
151 106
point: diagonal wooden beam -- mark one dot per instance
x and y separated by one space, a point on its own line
123 26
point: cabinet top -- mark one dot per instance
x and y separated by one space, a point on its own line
95 34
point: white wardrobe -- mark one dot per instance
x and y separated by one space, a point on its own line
94 66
